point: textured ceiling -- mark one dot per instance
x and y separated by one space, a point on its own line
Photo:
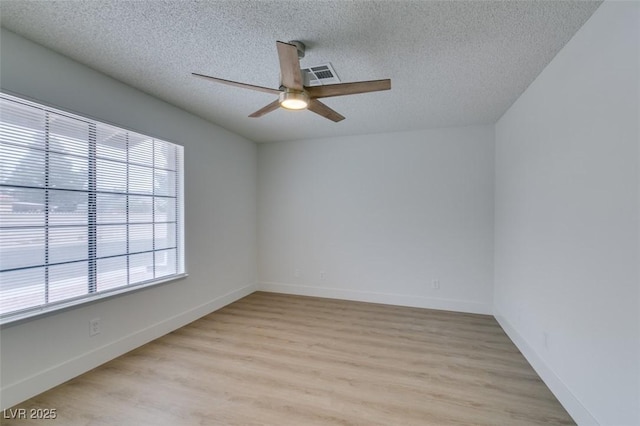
451 63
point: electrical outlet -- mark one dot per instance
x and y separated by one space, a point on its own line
323 276
94 327
296 273
435 284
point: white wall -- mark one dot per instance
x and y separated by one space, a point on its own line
220 185
382 216
567 218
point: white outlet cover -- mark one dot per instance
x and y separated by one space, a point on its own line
94 327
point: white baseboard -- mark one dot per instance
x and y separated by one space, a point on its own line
374 297
574 407
58 374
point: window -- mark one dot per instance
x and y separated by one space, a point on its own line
86 209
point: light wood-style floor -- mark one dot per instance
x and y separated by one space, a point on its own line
288 360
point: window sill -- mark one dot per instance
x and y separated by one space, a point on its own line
19 318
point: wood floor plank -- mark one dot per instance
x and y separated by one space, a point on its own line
273 359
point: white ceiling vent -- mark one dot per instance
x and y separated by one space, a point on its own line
320 75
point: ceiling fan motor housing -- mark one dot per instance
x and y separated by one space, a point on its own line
300 47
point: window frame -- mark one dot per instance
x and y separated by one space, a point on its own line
93 294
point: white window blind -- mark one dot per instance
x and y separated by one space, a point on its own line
86 209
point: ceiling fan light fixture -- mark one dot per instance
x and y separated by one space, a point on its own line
294 99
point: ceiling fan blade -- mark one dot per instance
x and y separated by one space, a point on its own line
320 108
289 66
237 84
267 109
348 88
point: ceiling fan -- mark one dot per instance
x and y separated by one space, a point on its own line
294 95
